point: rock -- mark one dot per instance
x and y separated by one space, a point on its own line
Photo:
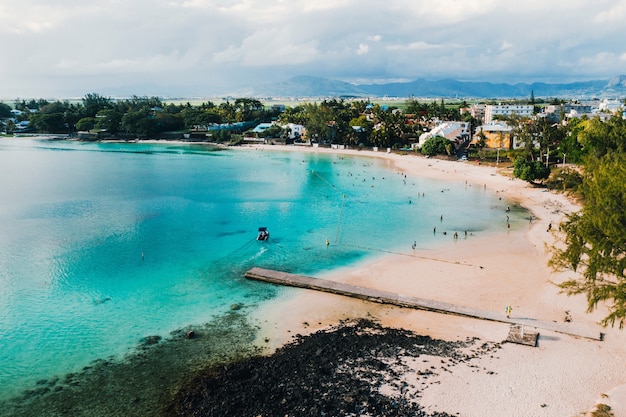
150 340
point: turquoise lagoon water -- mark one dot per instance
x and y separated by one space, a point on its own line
104 244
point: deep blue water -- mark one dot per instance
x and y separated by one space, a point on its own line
103 244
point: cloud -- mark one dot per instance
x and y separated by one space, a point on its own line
268 47
413 46
363 49
615 14
506 46
216 43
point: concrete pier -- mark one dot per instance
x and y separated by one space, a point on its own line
384 297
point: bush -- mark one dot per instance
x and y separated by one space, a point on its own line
530 170
565 179
437 145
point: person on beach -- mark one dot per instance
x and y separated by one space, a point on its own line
508 310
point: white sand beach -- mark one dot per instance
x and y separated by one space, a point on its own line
562 376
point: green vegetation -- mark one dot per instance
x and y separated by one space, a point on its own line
137 117
594 239
437 146
530 171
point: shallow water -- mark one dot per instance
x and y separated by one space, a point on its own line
102 245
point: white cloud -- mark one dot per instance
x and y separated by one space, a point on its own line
506 46
246 42
413 46
615 14
268 47
363 49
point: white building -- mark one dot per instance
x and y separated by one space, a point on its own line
611 106
295 130
505 110
454 131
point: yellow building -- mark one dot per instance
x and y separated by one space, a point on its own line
497 135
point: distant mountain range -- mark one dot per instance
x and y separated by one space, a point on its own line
306 86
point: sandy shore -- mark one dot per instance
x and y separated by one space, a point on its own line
563 376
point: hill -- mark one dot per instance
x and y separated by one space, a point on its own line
307 86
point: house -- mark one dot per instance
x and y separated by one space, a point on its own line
497 135
453 131
23 126
296 131
278 108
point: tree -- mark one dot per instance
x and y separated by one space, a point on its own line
530 171
247 109
199 116
595 239
9 127
598 137
86 123
51 118
138 122
437 145
317 122
93 103
525 133
109 120
570 148
295 115
5 111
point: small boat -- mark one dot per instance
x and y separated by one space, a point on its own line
263 234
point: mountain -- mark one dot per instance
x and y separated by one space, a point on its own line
307 86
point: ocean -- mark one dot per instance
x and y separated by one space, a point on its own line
103 244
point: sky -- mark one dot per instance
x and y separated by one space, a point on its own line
204 48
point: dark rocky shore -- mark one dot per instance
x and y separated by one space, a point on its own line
341 372
356 369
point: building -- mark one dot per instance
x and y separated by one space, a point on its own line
453 131
506 110
497 135
555 113
611 106
477 111
296 131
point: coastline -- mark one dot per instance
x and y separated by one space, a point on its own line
563 375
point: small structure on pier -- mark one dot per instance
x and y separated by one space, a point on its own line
518 334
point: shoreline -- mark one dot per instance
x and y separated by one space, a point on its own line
563 375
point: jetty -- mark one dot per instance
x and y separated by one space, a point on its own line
385 297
